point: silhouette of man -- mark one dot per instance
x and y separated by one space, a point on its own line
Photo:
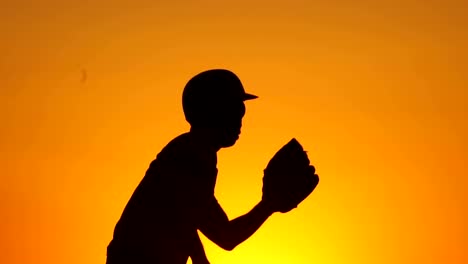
176 196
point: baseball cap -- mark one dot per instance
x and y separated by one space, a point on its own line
210 90
216 84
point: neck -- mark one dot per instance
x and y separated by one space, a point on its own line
205 137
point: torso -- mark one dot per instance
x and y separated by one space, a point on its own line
160 220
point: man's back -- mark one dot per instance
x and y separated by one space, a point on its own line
159 223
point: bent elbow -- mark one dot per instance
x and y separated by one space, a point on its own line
227 244
226 240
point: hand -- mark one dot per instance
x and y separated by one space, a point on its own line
284 193
288 178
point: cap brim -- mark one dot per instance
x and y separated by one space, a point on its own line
249 97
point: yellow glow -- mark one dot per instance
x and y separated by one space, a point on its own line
377 93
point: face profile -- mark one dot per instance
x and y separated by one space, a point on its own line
229 128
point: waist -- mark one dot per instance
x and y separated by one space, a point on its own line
146 252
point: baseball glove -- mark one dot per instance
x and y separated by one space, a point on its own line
288 178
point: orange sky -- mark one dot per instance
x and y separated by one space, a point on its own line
376 92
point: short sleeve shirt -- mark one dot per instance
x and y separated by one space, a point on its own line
160 221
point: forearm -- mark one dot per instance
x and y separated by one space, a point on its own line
244 226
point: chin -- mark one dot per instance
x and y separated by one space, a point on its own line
229 142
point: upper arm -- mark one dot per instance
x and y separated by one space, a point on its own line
214 224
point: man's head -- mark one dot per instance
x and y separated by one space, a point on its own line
214 100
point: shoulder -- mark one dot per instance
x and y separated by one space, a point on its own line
184 150
180 142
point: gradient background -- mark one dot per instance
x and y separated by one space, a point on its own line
376 91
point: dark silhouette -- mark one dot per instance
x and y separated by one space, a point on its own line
176 196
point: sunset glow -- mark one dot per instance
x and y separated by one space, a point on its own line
375 91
